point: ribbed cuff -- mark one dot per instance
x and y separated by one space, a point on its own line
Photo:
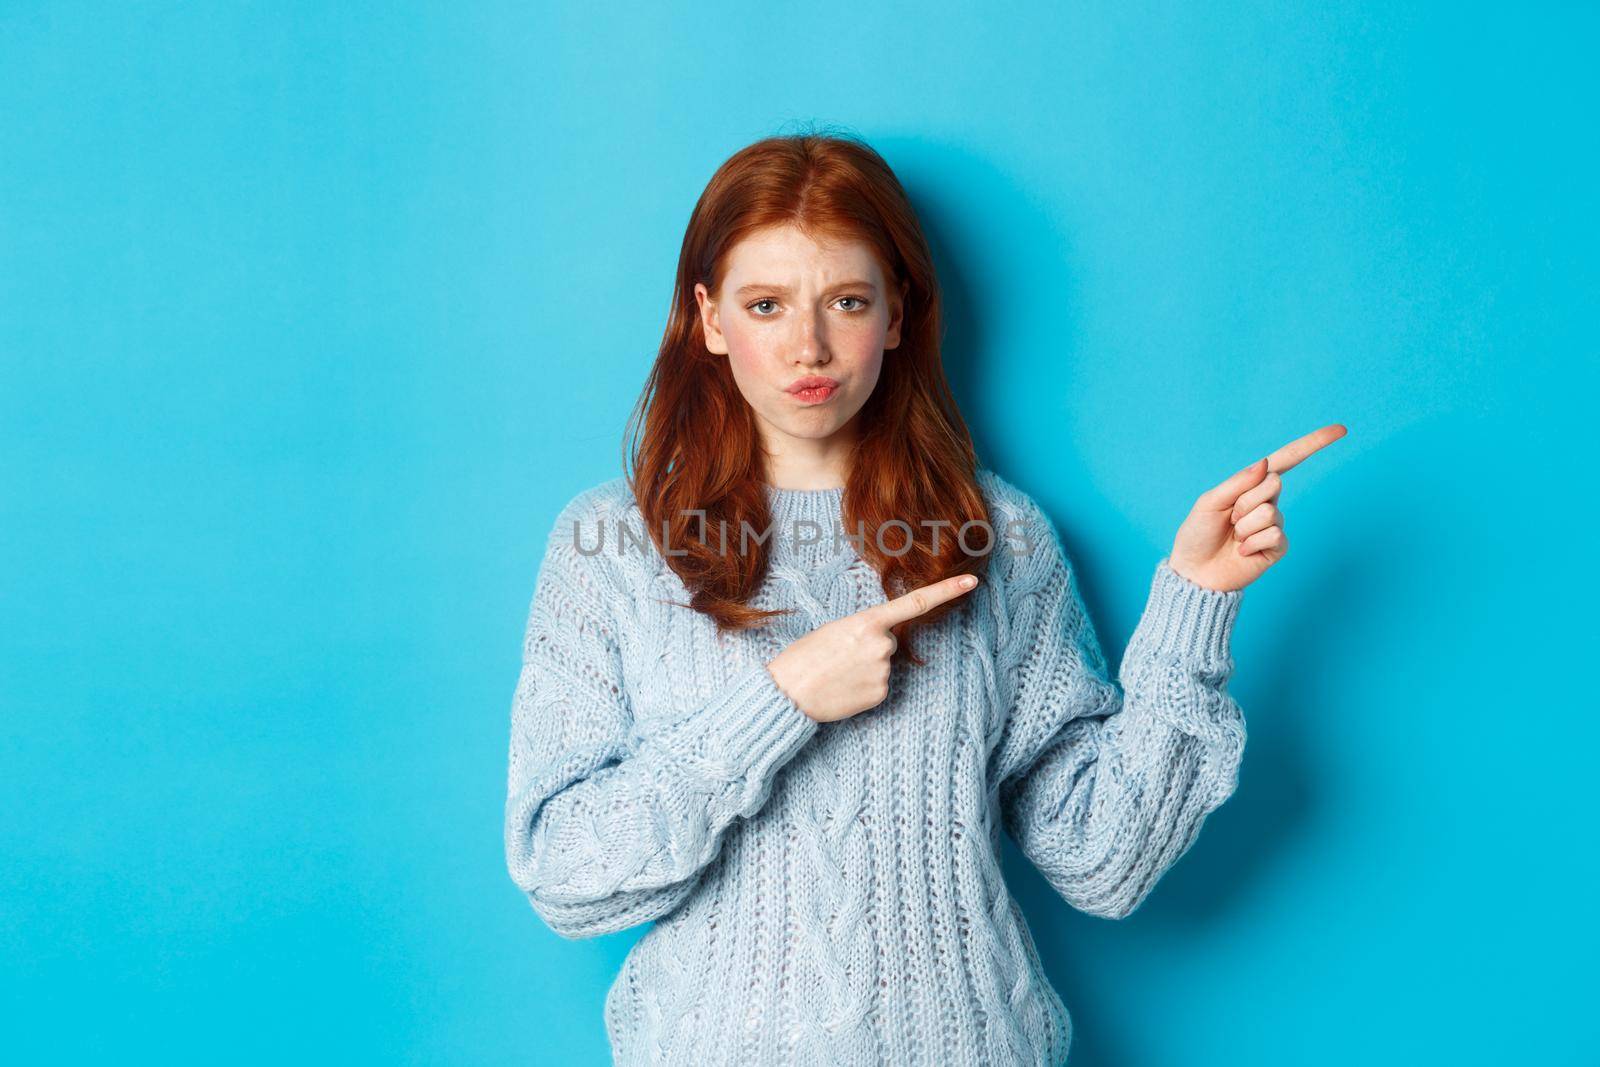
748 729
1188 622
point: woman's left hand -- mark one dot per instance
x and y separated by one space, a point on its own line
1234 532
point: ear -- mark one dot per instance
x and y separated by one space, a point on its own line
897 315
710 321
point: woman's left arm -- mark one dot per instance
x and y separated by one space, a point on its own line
1104 787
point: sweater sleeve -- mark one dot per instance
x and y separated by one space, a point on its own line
606 826
1105 786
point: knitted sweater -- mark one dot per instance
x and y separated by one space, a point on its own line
832 894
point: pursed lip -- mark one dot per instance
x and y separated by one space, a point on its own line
811 381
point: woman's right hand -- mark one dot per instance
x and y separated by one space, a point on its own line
841 668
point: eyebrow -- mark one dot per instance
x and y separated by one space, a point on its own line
748 290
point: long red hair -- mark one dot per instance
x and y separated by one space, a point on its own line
692 437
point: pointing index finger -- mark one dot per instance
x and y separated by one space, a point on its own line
918 601
1297 450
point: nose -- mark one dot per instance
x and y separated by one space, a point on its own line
811 346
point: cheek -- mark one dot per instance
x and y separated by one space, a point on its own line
866 338
869 369
746 347
863 352
750 364
745 359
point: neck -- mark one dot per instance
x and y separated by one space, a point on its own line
809 463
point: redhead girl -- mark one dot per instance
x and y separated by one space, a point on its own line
786 682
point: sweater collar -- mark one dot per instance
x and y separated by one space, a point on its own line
800 516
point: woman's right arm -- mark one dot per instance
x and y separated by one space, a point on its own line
605 829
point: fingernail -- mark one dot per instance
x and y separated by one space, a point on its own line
968 581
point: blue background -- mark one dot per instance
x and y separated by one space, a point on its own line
312 315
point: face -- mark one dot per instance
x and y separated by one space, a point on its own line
789 309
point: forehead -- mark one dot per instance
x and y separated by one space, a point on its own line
783 254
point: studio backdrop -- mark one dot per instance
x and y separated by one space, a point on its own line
312 316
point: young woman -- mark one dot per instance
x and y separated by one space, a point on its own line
783 686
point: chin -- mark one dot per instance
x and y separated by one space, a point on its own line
812 430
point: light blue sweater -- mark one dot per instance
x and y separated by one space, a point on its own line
832 894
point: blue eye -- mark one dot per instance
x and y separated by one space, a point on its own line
860 306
